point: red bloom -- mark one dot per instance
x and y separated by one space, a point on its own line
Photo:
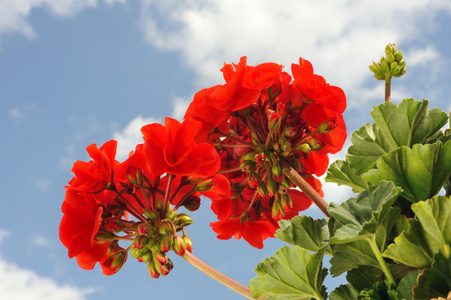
201 110
253 232
244 84
315 88
95 175
172 149
79 226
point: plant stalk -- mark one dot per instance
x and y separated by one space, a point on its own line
381 261
305 187
218 276
387 87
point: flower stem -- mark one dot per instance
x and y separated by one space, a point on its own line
305 187
218 276
387 87
381 261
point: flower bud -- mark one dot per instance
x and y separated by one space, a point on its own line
152 271
139 242
115 261
165 227
288 131
179 245
150 214
143 228
326 126
160 256
205 185
315 144
272 187
166 243
189 244
146 257
183 220
274 119
104 236
276 169
192 203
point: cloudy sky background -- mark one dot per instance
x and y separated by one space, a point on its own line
76 72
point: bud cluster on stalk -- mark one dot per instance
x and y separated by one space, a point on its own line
157 236
284 140
392 64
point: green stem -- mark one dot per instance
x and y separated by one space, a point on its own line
305 187
387 87
218 276
381 261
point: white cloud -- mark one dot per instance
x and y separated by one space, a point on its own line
43 184
14 14
131 136
23 112
22 284
180 107
340 37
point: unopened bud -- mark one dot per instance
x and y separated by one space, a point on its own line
315 144
205 185
104 236
150 214
183 220
272 187
274 120
189 244
115 261
166 243
288 131
192 203
179 245
276 169
165 227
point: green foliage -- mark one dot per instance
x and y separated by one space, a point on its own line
406 124
304 231
426 235
435 281
394 231
344 292
294 273
421 171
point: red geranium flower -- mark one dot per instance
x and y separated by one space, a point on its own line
254 232
172 149
95 175
79 226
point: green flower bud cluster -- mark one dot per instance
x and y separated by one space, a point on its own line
158 236
392 64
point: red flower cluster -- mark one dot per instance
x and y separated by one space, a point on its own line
261 121
237 145
168 168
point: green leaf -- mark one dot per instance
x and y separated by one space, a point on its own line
341 173
381 290
406 285
364 214
366 219
395 126
421 171
294 273
365 277
436 281
344 292
409 123
425 236
305 232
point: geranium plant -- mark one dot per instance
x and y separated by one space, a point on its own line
255 146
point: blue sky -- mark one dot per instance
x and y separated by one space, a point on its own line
77 72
